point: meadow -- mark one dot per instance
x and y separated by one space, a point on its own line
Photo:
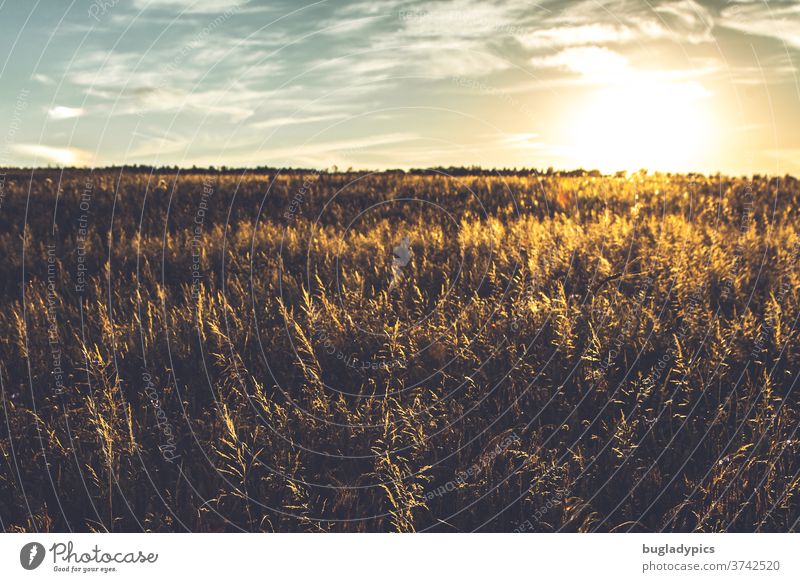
437 350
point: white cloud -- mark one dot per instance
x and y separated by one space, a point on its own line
62 112
524 141
282 121
59 156
780 21
348 146
117 70
600 22
441 39
343 153
459 19
144 145
688 13
237 104
582 34
591 62
40 78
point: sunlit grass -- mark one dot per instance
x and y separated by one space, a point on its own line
637 335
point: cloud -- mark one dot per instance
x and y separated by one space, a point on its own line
116 70
465 19
437 40
582 34
196 6
236 104
349 146
147 146
780 21
59 156
339 27
126 86
62 112
688 13
40 78
283 121
601 22
457 60
524 141
343 153
591 62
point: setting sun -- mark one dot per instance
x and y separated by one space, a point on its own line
642 121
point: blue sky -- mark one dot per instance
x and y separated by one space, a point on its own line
676 86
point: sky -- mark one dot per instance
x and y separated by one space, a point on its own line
685 85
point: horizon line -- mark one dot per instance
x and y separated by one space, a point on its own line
333 170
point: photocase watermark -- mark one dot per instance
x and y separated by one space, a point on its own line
100 8
738 252
411 14
199 40
504 96
483 461
95 560
401 256
734 8
695 298
168 446
66 558
13 127
694 303
31 555
51 313
321 336
82 236
681 550
196 243
530 524
770 323
530 292
296 203
629 321
448 18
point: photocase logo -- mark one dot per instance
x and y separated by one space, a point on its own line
31 555
402 256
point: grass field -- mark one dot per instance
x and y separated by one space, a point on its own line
398 352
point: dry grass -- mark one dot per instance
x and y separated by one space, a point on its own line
637 337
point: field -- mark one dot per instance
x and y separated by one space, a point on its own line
427 351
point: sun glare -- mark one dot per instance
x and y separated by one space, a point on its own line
640 122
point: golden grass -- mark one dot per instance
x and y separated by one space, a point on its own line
637 335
